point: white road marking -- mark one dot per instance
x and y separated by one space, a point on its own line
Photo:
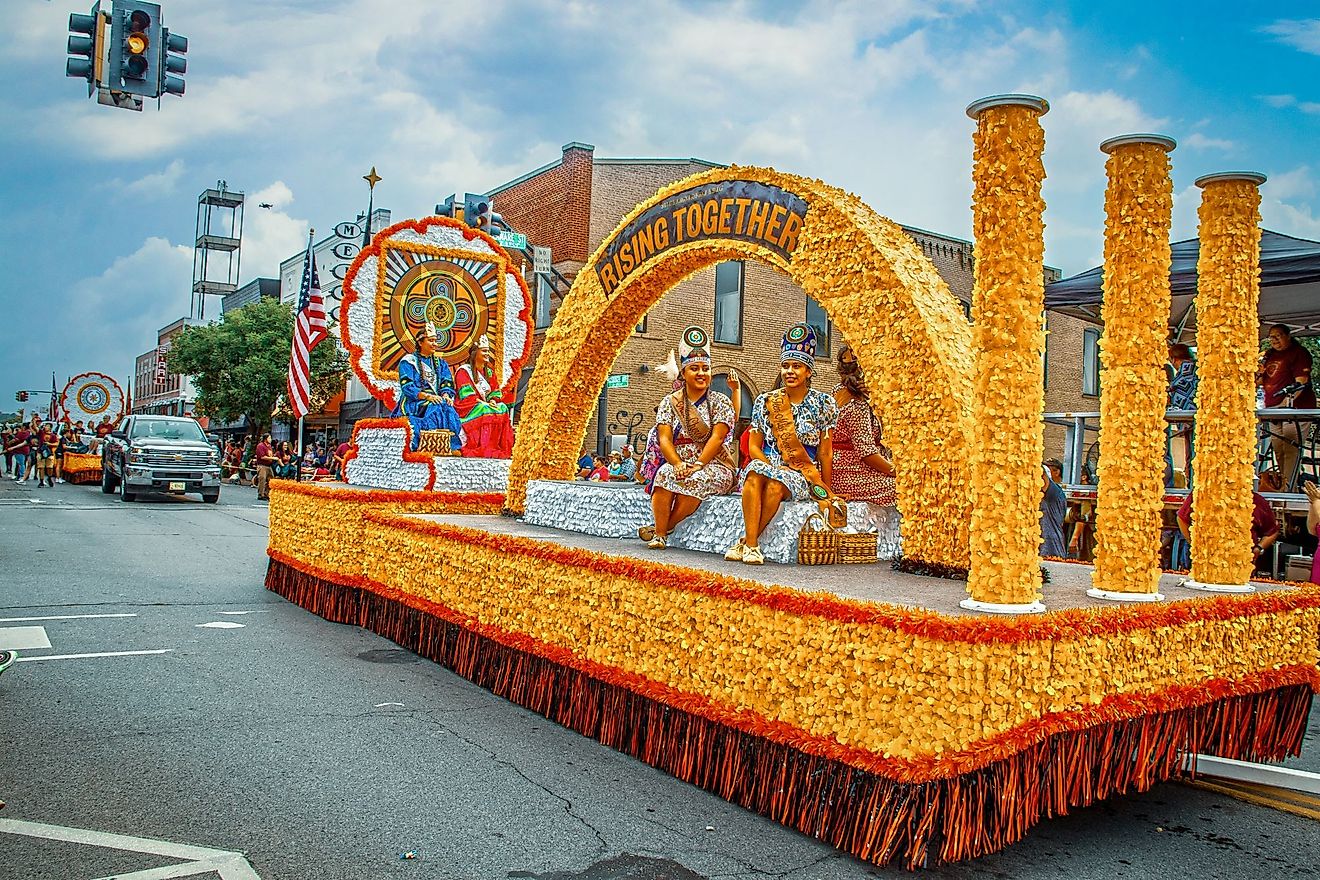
380 705
89 656
221 624
229 865
243 612
23 638
65 617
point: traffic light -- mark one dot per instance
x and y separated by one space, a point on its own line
135 48
172 49
21 396
86 44
446 208
479 213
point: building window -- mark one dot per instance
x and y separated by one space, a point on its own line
1045 354
641 325
1091 362
728 303
743 404
543 291
820 322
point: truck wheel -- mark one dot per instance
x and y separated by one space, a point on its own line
211 497
124 494
107 481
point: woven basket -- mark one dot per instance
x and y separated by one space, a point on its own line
858 549
437 442
817 546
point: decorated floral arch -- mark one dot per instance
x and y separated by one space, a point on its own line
439 270
886 298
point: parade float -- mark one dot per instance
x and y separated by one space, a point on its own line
91 398
924 712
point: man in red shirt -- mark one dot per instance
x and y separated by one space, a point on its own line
341 459
264 459
1284 364
1264 524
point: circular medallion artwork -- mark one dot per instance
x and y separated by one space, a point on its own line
696 337
92 397
441 272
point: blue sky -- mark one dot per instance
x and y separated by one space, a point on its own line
293 101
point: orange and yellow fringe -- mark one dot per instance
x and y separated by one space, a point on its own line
945 737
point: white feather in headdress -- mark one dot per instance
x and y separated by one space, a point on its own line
669 367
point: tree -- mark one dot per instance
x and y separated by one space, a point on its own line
240 364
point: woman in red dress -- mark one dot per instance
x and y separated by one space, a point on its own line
481 406
863 469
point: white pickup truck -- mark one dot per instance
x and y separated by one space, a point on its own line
160 454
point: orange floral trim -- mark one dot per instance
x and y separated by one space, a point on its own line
493 500
1073 623
350 295
1110 709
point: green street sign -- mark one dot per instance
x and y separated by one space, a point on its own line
512 240
620 381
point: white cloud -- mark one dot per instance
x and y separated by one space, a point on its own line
114 315
1303 34
1312 107
1279 100
1198 141
158 183
270 235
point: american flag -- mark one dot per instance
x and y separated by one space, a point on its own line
308 331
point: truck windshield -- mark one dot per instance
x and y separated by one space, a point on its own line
167 429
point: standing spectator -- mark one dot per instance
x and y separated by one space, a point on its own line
1053 508
33 453
45 443
103 430
1285 364
6 438
1264 524
341 461
600 472
59 454
265 459
1182 395
1312 524
17 450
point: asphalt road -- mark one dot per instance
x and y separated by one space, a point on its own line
289 748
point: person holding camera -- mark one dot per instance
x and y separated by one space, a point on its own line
1285 377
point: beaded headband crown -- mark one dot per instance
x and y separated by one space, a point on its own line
694 348
799 345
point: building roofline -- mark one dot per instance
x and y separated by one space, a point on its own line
693 160
524 177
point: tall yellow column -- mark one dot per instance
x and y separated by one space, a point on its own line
1008 344
1133 386
1227 339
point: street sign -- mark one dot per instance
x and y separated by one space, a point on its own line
617 381
540 259
512 240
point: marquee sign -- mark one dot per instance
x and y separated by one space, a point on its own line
744 210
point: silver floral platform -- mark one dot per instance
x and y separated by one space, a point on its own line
618 510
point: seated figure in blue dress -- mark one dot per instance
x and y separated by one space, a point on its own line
426 386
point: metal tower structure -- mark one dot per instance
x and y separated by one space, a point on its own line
219 235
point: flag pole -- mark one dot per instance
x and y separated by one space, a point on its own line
311 235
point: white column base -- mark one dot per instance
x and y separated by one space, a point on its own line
1097 593
1001 608
1218 588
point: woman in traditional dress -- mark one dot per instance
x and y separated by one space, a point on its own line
789 447
485 415
693 426
427 388
863 469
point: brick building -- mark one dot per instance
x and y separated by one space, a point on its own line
156 390
572 204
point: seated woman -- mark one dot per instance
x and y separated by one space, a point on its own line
485 416
693 427
426 387
863 470
287 469
789 446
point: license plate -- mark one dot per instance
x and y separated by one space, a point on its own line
178 487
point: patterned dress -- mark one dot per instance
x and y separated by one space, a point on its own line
485 417
814 418
858 435
717 477
420 375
